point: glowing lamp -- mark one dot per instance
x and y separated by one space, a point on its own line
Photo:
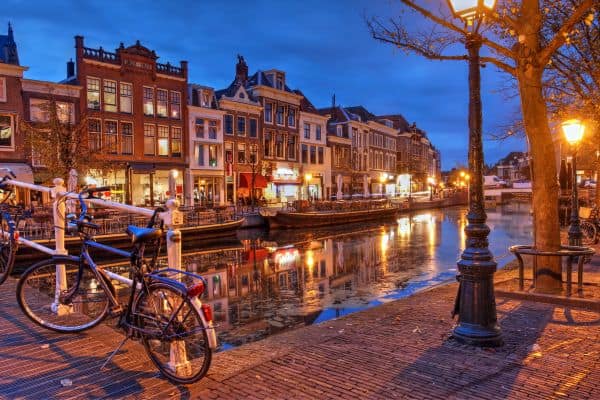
470 9
573 130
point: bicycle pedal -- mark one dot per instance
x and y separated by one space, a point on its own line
115 311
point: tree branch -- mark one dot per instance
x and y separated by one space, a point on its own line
502 65
560 36
438 20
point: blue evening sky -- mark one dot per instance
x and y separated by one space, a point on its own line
324 47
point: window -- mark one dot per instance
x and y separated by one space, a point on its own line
253 159
304 154
313 155
175 105
268 143
253 127
241 147
39 111
161 103
205 99
200 128
163 140
95 134
279 82
125 101
212 129
291 148
199 153
149 140
241 126
110 96
6 130
280 112
292 117
148 101
306 131
110 137
228 124
268 112
93 93
212 155
229 152
320 154
175 141
339 131
126 138
318 132
279 145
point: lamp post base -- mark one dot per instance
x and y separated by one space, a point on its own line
477 335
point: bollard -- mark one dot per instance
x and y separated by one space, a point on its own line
58 212
172 219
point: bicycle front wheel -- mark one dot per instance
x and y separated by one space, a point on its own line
8 246
589 232
173 333
73 304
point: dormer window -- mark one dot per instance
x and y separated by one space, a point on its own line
242 96
205 98
279 82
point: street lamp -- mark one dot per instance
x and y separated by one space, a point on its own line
475 303
431 182
307 178
253 165
573 130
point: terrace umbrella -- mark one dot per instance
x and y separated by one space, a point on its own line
562 175
366 186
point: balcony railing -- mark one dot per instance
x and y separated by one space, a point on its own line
101 55
169 69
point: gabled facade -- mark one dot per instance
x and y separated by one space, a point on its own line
242 139
205 173
136 111
339 140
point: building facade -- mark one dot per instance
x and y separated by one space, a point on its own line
205 173
135 108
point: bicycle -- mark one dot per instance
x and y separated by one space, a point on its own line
10 217
589 226
71 294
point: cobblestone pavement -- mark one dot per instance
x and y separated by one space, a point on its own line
401 349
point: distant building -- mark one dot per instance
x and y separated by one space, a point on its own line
512 167
8 48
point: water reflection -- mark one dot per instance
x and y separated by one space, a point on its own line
280 280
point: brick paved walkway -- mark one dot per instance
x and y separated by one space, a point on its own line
398 350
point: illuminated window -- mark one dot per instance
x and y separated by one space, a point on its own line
229 152
163 140
241 159
149 140
95 134
212 155
125 101
175 141
6 130
279 145
161 103
175 105
110 96
148 101
93 93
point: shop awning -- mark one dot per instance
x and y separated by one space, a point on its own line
246 180
21 170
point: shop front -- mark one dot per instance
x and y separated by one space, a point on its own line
248 182
312 188
151 188
285 186
115 179
208 190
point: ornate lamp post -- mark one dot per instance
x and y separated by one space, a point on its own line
431 182
573 130
475 303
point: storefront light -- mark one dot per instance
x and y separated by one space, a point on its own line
175 173
89 180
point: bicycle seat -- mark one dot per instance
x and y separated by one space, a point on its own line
141 235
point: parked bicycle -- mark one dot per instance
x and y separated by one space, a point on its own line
10 218
589 225
163 310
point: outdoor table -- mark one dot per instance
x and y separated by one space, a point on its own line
571 252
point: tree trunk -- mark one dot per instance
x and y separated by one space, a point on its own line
545 184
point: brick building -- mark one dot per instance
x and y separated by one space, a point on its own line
136 113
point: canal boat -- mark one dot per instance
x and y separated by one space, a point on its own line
315 218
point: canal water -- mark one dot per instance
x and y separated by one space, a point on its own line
264 282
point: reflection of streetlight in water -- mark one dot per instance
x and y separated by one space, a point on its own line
403 227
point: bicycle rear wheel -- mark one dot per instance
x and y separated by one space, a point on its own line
8 246
589 233
173 333
47 305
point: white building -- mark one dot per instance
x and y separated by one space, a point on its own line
205 174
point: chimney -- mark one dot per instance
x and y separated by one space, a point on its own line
241 70
78 41
70 68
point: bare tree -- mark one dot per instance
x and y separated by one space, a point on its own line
518 43
59 142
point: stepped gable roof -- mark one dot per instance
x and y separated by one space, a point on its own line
260 78
8 48
398 120
305 104
362 113
231 90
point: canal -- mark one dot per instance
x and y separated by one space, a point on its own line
267 282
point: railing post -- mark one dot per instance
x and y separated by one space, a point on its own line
172 219
58 211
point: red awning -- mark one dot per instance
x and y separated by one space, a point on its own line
246 180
